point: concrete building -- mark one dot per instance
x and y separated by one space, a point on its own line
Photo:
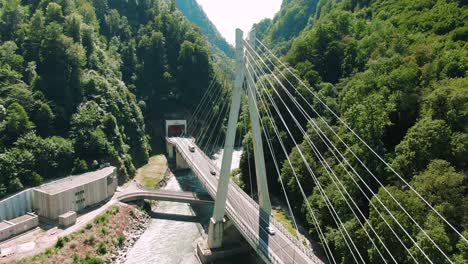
18 225
74 193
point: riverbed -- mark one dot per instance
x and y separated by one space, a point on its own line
172 234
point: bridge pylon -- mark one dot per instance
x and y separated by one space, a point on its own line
215 232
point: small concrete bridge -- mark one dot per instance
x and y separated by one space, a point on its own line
164 195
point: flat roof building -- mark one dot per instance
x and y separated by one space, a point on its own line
74 193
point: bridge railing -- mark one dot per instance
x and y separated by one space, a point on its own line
309 252
254 238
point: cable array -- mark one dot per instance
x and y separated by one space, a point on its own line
285 106
269 88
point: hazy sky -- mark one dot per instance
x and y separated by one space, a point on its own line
227 15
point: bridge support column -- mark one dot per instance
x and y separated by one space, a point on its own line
260 170
170 149
215 232
181 163
233 243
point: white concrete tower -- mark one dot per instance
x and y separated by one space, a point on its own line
215 232
260 170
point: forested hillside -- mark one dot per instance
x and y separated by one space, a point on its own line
194 12
396 73
292 18
82 80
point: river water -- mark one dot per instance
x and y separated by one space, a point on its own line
175 227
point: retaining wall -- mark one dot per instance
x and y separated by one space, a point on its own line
16 205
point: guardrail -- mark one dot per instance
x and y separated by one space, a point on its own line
255 241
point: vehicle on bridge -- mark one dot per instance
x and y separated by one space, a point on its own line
191 148
270 230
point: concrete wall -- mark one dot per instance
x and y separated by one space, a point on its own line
17 205
112 183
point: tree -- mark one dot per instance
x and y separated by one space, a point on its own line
194 62
151 50
428 139
435 229
32 44
43 117
73 27
443 188
2 113
448 102
462 247
12 14
16 123
54 13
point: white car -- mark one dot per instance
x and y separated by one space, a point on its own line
191 148
270 230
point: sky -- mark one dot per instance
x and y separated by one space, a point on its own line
227 15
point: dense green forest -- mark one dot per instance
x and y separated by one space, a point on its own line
87 82
396 72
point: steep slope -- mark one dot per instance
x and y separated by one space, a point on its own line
396 72
286 25
194 12
82 80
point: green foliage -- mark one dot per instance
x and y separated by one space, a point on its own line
12 14
427 140
121 240
113 210
61 242
443 187
193 11
395 72
92 260
101 219
101 248
287 24
16 124
77 73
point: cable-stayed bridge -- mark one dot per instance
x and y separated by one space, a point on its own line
275 101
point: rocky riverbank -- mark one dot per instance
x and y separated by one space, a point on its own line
139 223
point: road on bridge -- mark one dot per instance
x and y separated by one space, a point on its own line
281 247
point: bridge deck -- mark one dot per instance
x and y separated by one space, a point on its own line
243 210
